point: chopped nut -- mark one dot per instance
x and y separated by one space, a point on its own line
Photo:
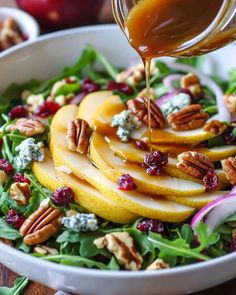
28 127
193 84
215 127
194 164
135 74
78 135
121 244
139 107
3 177
158 264
44 250
229 166
20 192
230 102
7 242
41 225
143 93
189 118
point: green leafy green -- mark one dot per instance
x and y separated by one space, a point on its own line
204 237
20 285
186 233
8 232
196 62
68 89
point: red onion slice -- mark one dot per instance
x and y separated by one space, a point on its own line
78 98
205 210
168 81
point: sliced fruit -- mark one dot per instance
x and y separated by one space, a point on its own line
134 201
105 112
90 103
198 201
45 172
221 152
87 196
113 105
113 167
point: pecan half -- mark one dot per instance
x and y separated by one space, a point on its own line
188 118
229 166
215 127
139 107
195 164
78 135
121 244
28 127
193 84
41 225
230 103
20 192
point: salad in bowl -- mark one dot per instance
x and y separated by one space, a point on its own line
81 185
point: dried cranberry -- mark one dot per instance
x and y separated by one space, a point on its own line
89 86
63 196
48 108
25 36
18 112
233 245
19 177
155 162
14 218
126 183
146 225
6 166
230 139
122 87
142 145
211 181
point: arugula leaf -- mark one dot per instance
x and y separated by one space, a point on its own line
186 233
8 232
177 248
113 264
75 261
162 71
20 285
196 62
68 89
204 237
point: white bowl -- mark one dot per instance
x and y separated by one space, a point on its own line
27 23
44 58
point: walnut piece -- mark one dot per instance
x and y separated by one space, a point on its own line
230 103
3 177
189 118
78 135
158 264
20 192
195 164
121 244
41 225
193 84
229 166
139 107
28 127
41 249
215 127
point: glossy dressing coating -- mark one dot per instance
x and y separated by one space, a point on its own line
159 27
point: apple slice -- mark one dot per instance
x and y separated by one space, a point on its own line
113 167
140 204
198 201
85 195
113 105
90 103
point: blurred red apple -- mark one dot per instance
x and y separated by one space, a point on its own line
58 14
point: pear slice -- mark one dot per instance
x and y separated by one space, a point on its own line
113 167
198 201
113 105
85 195
90 103
140 204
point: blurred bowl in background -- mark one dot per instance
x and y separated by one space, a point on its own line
28 25
60 14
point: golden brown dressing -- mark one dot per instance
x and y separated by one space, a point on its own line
159 27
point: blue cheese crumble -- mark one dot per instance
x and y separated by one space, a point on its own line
81 222
126 123
29 151
177 103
